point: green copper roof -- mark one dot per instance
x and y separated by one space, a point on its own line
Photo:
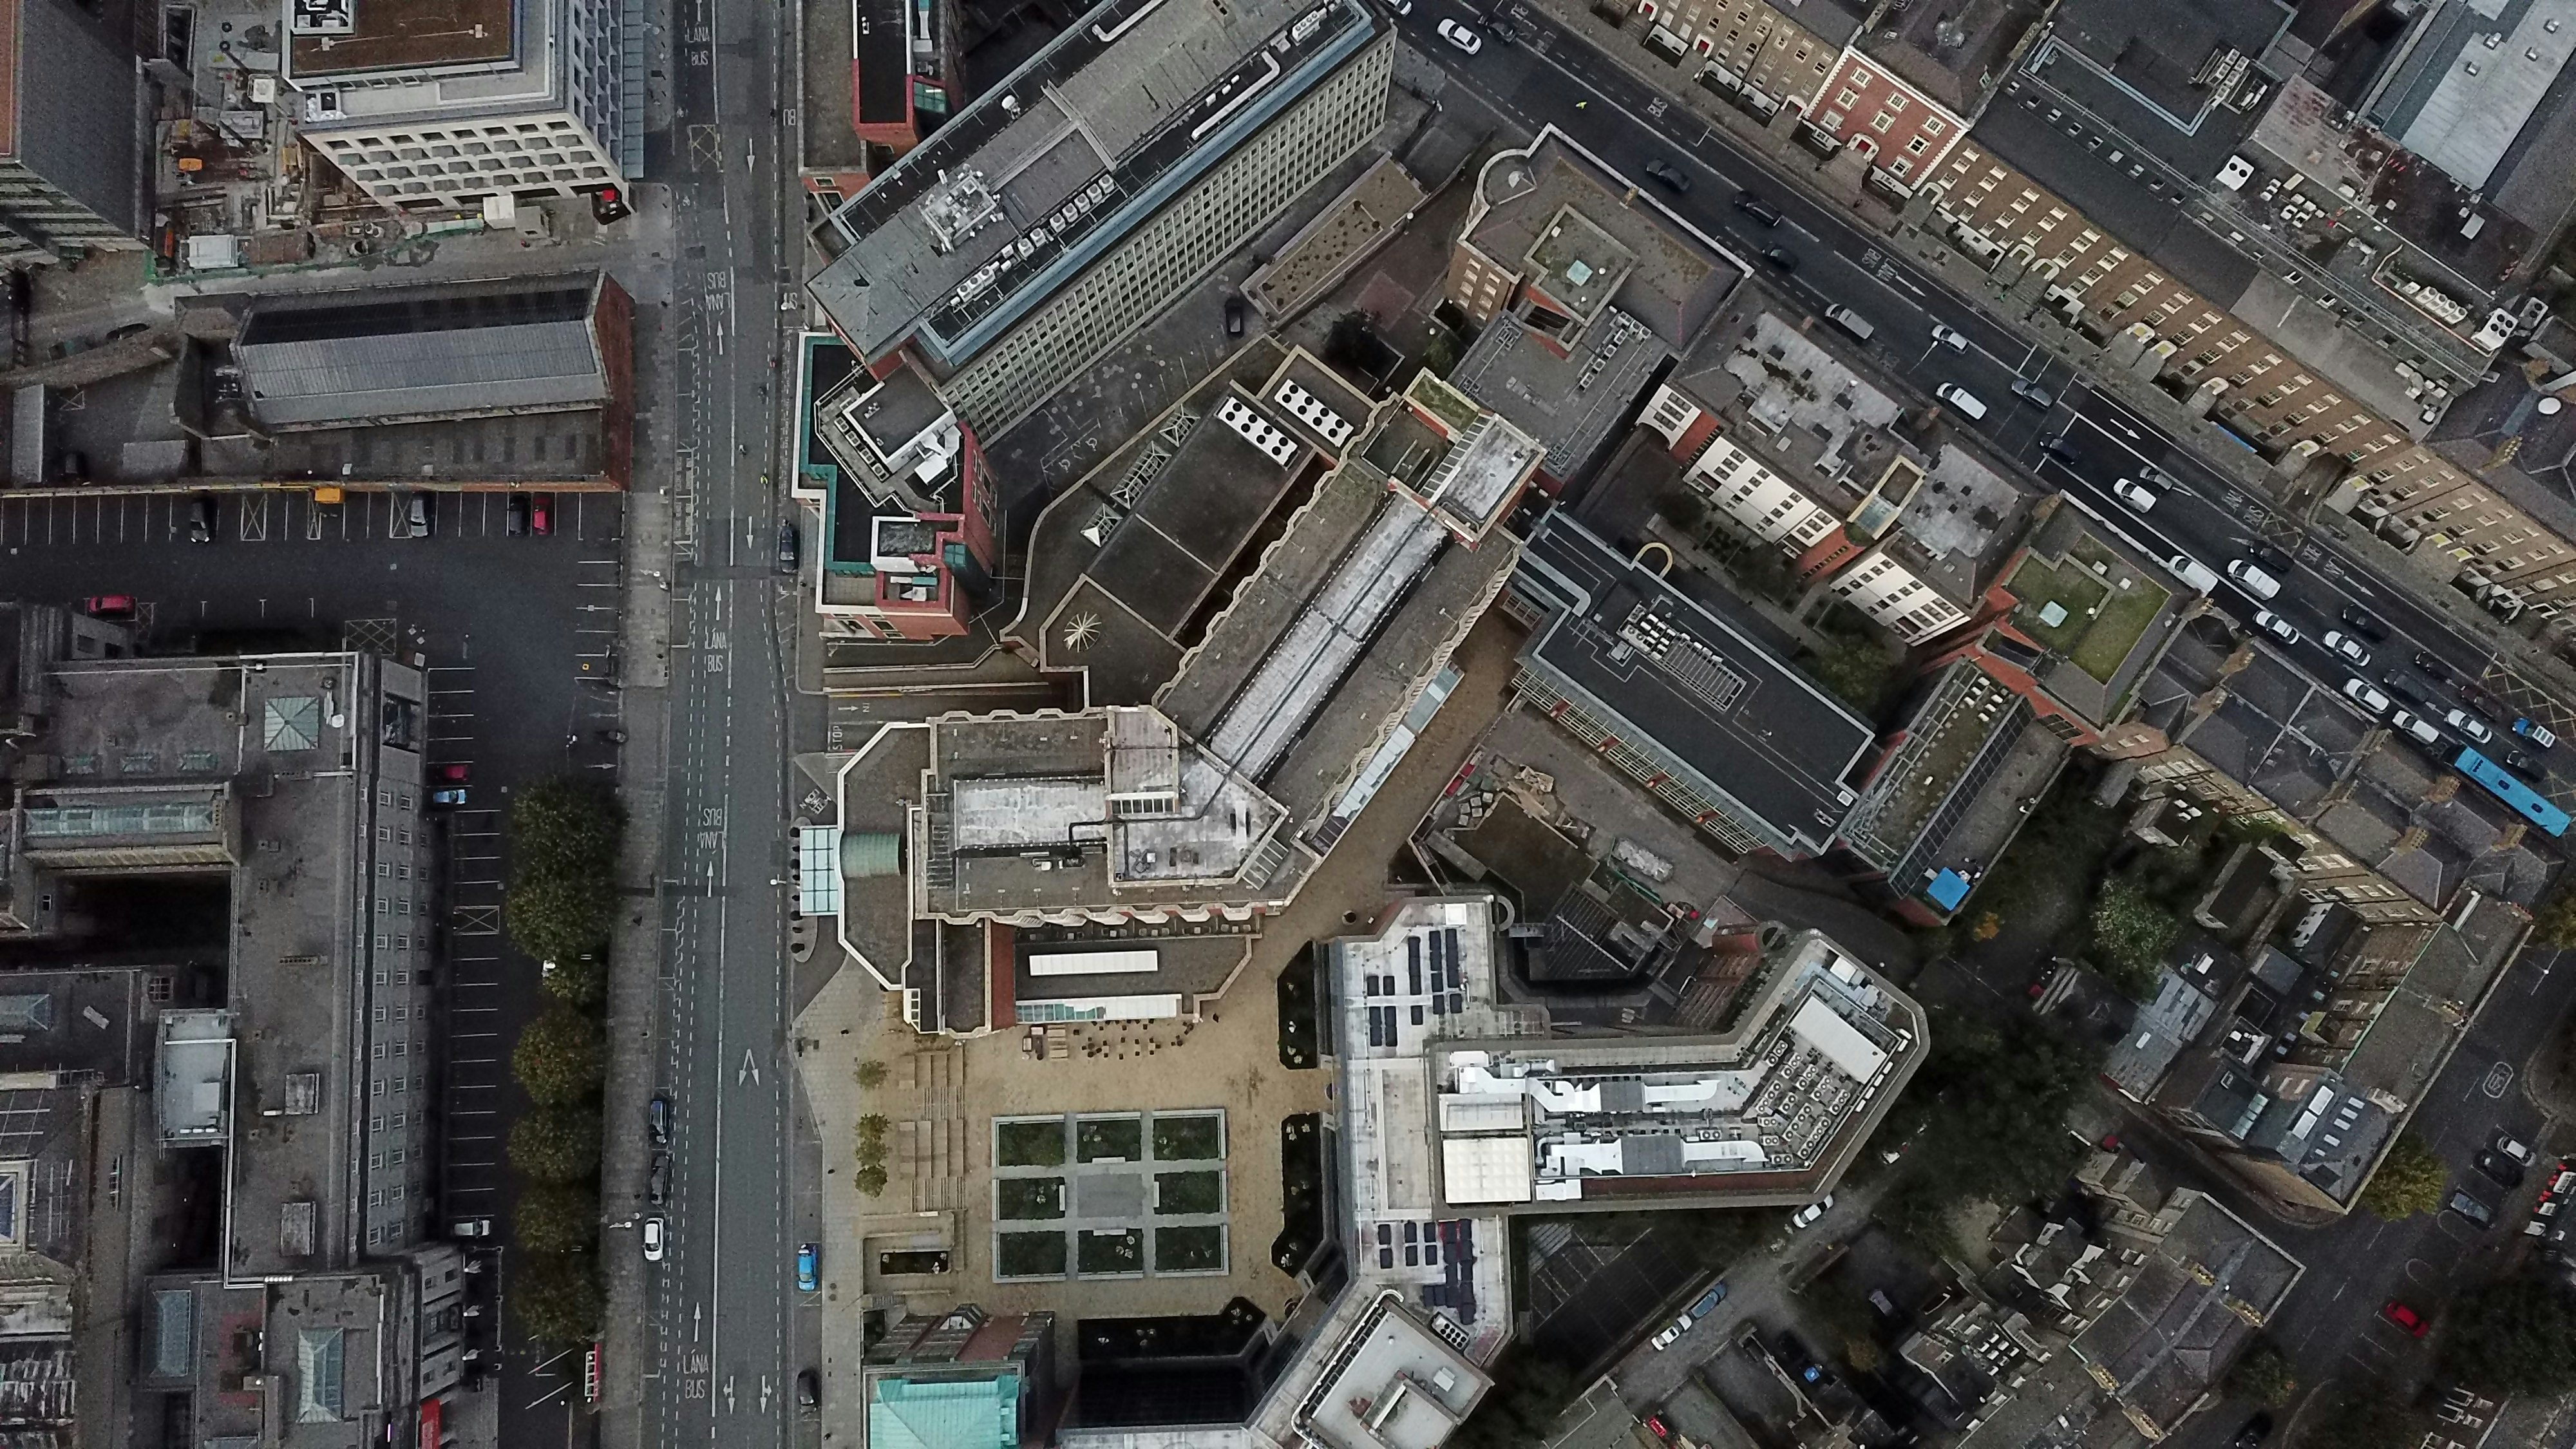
979 1413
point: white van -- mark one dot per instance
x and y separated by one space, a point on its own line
2417 726
1962 399
2191 571
2256 582
1850 321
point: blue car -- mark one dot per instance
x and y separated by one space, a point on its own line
1708 1301
809 1259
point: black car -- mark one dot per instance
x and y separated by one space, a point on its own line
2504 1170
1756 208
1234 316
657 1184
2478 1214
657 1117
2516 761
1667 173
809 1390
515 520
201 518
2431 666
2062 450
790 546
2363 624
2269 557
2253 1433
1781 257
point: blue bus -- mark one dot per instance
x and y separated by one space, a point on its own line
2527 802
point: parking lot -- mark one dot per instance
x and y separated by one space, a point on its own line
517 635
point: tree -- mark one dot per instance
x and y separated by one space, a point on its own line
556 1144
2409 1181
579 981
872 1074
2263 1375
565 827
561 917
556 1296
558 1058
2132 933
1440 352
2516 1336
1984 1120
1856 668
2360 1419
555 1217
2554 924
871 1178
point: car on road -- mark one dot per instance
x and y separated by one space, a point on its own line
1234 316
201 518
2535 731
2033 394
2191 571
541 514
653 1230
2252 1433
2477 1213
2276 626
470 1228
2417 728
1752 205
1970 406
2347 645
2404 1317
2366 694
657 1181
809 1389
2363 624
2432 666
2268 556
1459 36
1666 172
2252 578
1812 1211
110 606
2469 725
1781 257
790 547
417 512
515 517
1949 337
2135 494
657 1119
809 1266
448 799
2062 450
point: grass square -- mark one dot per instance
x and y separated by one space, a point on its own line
1104 1253
1029 1144
1189 1250
1029 1255
1189 1137
1028 1198
1177 1194
1108 1139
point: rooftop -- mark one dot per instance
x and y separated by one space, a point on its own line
1590 239
1694 687
1391 1384
1572 403
330 38
959 238
1953 53
2470 79
327 359
2173 1333
1949 756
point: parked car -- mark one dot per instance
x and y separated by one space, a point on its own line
1671 1334
2276 626
1459 36
515 517
1755 207
448 799
2366 694
1658 169
2469 725
657 1119
2252 1433
1656 1426
541 514
2062 450
2404 1317
2363 624
470 1228
2252 578
657 1181
2192 572
2033 394
2417 728
790 547
1781 257
2135 494
2477 1213
2535 732
1709 1300
110 606
418 513
201 518
653 1229
809 1389
1949 337
2347 645
2268 556
1234 316
454 772
809 1266
2432 666
1812 1211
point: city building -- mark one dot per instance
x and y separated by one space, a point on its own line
1047 221
434 105
1759 54
964 1377
1582 286
1698 709
871 75
902 504
74 131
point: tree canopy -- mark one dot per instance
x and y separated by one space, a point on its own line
557 1298
561 918
2263 1375
2409 1181
2132 933
564 827
556 1144
558 1058
2360 1419
552 1217
1985 1119
2516 1336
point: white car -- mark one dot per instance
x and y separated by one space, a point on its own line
2135 494
2276 626
2470 725
1672 1333
2347 646
653 1231
1812 1211
1460 36
1949 338
2252 579
2417 727
2513 1149
2366 694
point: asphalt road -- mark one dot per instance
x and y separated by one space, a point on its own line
730 1329
1554 76
515 631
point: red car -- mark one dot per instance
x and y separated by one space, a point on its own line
1655 1426
109 606
2404 1317
541 514
454 774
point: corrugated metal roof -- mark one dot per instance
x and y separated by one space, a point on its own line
331 381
